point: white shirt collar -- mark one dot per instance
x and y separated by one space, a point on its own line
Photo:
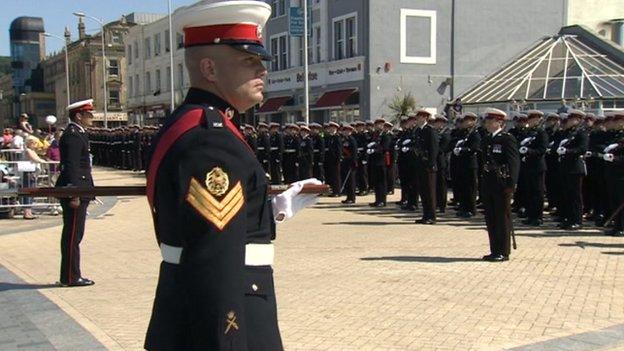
497 131
423 126
78 125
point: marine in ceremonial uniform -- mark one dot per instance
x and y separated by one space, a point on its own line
333 153
426 146
208 193
348 164
533 166
75 171
306 153
277 152
378 151
501 167
466 152
318 142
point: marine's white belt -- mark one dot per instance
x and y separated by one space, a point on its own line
255 254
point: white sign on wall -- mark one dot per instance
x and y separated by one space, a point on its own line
320 74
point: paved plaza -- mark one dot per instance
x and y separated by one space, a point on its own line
347 278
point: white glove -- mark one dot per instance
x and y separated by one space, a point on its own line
288 203
523 150
608 157
564 141
526 141
561 150
588 154
397 147
370 151
407 141
456 151
405 149
610 148
371 145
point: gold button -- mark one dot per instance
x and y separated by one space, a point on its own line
254 287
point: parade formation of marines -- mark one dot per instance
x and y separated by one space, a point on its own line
570 162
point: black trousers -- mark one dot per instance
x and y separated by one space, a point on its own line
467 191
618 221
305 170
332 175
427 192
441 189
497 203
572 199
380 184
390 177
362 175
347 174
553 185
290 168
319 171
276 172
73 231
534 187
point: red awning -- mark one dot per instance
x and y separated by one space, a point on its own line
273 104
334 98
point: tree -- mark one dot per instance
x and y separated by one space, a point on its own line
402 105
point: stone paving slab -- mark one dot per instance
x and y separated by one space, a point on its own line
357 278
31 322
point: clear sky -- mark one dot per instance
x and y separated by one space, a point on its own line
57 14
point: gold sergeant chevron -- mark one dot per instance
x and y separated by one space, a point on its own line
218 212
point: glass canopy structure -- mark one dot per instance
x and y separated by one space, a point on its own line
559 67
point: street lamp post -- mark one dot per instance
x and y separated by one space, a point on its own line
49 35
172 102
101 22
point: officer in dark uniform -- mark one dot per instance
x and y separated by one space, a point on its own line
501 167
612 154
426 146
378 151
333 153
318 142
390 170
466 151
571 151
348 165
306 153
277 153
208 194
553 183
533 167
75 171
440 123
592 196
406 163
519 132
291 154
263 151
362 137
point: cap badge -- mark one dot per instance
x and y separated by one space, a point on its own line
259 31
229 113
217 181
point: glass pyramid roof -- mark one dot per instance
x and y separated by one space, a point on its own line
559 67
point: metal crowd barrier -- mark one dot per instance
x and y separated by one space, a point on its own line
12 178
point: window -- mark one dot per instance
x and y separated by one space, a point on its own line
351 37
274 57
283 42
338 41
419 27
148 83
168 78
113 67
345 36
148 48
278 8
167 42
317 44
180 75
137 85
156 44
180 40
158 81
136 49
130 87
116 37
113 97
129 54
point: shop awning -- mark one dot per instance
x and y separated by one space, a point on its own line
334 98
273 104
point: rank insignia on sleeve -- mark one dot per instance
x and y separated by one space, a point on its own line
230 322
215 202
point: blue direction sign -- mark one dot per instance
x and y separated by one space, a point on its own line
296 21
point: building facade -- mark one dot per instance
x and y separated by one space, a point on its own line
86 78
150 70
365 53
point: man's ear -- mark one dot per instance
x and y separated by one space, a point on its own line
208 69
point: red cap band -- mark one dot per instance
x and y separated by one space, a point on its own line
222 32
85 107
